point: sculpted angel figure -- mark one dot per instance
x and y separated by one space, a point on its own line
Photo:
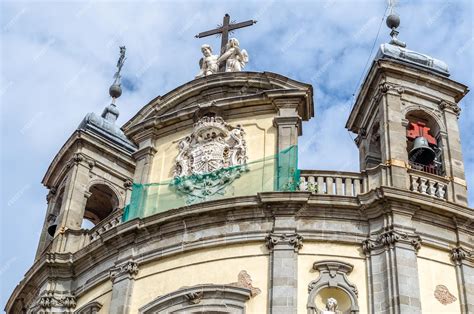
234 57
208 63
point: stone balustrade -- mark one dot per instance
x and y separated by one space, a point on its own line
332 182
429 184
110 222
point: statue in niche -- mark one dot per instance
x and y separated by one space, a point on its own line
234 57
208 63
331 307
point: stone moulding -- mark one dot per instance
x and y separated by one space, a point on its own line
388 239
201 299
332 274
294 239
89 308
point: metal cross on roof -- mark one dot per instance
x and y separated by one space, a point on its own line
225 29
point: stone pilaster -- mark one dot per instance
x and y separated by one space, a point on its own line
123 279
452 153
464 262
284 271
393 272
288 125
144 162
393 135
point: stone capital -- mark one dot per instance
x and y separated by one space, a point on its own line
293 240
389 239
390 88
458 254
450 107
51 299
127 270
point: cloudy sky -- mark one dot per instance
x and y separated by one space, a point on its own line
58 58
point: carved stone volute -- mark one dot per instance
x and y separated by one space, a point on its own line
294 240
389 238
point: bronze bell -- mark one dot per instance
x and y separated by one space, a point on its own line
52 227
421 152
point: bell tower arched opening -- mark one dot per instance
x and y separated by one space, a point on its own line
100 204
424 145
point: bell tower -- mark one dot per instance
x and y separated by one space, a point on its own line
406 120
89 179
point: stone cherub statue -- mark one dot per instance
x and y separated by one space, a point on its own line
208 63
234 58
331 307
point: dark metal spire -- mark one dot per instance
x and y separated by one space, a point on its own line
393 21
115 89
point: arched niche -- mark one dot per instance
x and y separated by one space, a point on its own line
101 202
332 283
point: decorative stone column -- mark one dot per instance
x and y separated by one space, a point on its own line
393 272
464 262
123 279
284 271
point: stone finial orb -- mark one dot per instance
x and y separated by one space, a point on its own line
393 21
115 91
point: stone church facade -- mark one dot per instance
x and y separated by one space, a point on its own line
395 237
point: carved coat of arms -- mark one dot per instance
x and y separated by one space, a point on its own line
209 159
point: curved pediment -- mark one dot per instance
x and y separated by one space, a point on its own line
236 90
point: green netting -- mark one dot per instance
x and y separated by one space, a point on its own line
274 173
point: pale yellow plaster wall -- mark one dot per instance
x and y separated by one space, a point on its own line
219 265
101 293
435 268
318 251
260 138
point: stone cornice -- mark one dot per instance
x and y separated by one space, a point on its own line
375 75
162 124
73 146
241 81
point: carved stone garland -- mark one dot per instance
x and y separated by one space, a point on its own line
209 159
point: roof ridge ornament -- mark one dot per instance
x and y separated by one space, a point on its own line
111 112
115 89
393 21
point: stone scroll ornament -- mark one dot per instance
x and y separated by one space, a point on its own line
209 160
